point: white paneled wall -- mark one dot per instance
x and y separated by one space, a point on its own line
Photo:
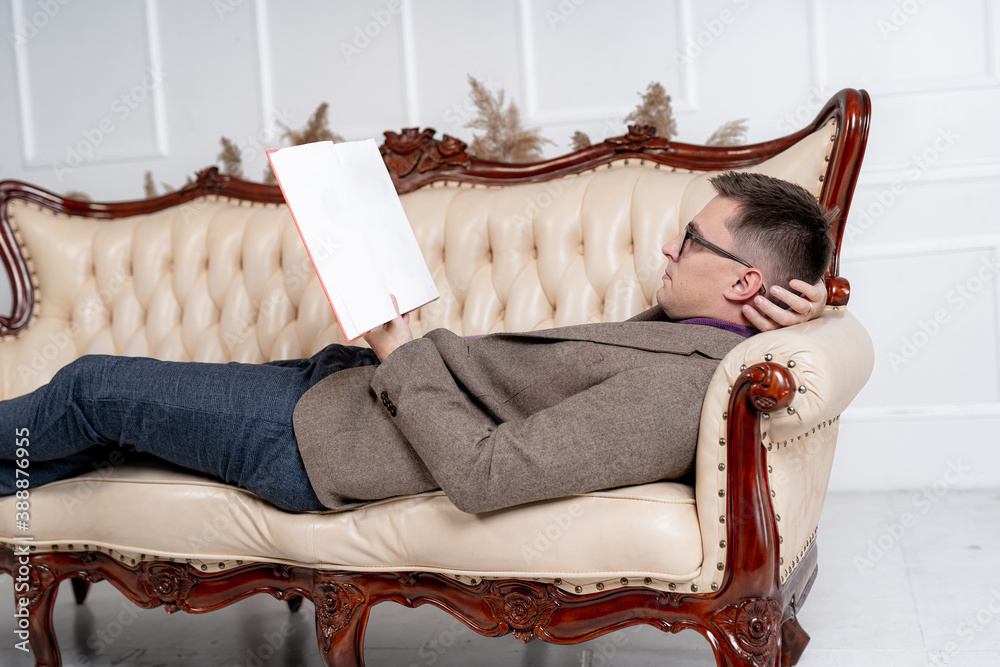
98 93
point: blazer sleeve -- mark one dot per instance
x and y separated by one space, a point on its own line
637 426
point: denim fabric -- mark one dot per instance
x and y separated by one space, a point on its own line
232 421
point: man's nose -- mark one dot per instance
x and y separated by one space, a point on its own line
672 248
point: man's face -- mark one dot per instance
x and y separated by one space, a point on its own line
694 283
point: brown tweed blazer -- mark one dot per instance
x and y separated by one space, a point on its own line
512 418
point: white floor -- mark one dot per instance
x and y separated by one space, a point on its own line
905 580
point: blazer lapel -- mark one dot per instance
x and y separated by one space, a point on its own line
654 314
652 335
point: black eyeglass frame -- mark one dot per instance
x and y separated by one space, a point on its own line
688 234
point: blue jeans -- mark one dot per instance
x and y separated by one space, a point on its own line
232 421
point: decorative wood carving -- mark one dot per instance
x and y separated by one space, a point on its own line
522 609
414 148
40 579
166 584
639 138
492 608
752 629
335 605
771 385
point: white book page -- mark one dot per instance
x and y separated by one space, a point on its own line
354 228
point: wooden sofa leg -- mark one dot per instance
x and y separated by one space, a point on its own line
294 603
80 589
341 615
725 656
746 633
793 642
41 595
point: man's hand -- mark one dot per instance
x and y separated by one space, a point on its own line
391 335
768 316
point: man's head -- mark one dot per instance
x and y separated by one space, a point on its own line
776 227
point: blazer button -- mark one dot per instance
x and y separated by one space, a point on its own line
388 404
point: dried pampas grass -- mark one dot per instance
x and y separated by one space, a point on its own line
580 140
317 129
733 133
655 110
503 139
149 187
232 161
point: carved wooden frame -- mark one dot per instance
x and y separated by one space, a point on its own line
750 620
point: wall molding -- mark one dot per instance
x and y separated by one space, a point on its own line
156 94
684 31
155 54
682 103
987 81
931 247
952 171
23 95
265 70
408 52
817 44
527 60
866 414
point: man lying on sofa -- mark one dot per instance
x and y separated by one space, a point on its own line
494 421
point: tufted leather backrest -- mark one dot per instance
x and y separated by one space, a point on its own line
220 279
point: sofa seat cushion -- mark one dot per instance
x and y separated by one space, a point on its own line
144 511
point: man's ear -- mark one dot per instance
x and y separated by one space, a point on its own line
747 286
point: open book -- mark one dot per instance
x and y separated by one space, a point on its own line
355 231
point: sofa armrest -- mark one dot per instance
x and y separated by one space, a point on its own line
828 360
830 357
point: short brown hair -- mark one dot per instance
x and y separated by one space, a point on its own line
778 226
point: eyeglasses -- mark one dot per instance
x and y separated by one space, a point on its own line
689 235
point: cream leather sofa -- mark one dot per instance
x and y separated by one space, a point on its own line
218 273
